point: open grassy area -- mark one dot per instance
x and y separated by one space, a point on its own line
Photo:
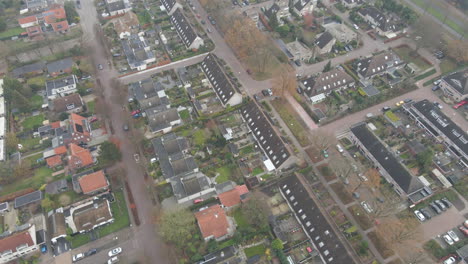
240 219
407 54
11 32
91 106
447 65
224 174
360 216
327 173
29 143
38 80
120 213
425 75
257 171
78 240
342 193
246 150
33 121
380 244
292 121
184 114
37 101
39 178
255 250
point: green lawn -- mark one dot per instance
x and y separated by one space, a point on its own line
29 143
246 150
11 32
255 250
447 65
257 171
78 240
184 114
120 213
406 54
37 101
39 80
240 219
91 106
30 122
425 75
36 181
293 122
224 174
199 137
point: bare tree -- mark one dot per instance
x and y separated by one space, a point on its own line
372 180
284 81
456 49
427 33
341 166
322 140
397 231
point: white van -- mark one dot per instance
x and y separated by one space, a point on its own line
339 148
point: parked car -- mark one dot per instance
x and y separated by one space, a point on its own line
446 202
115 252
438 105
450 260
440 205
435 208
462 103
435 88
355 26
299 90
367 207
420 216
453 236
91 252
426 213
448 239
399 103
464 230
203 22
209 30
196 201
136 156
408 100
100 67
437 82
134 112
125 127
78 257
298 63
43 248
339 148
113 260
385 109
137 115
465 223
325 153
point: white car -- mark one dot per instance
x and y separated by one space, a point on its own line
77 257
115 252
356 26
450 260
420 216
367 207
448 239
339 148
453 236
136 156
113 260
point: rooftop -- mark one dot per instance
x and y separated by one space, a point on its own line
221 84
212 222
93 182
136 50
28 199
94 214
459 81
67 103
327 82
234 196
56 187
29 68
377 64
59 66
324 39
184 29
53 85
163 120
189 185
18 241
79 156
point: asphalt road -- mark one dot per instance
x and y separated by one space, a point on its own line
146 234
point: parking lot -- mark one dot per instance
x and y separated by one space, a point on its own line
440 224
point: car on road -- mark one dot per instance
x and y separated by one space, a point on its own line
450 260
446 202
209 30
203 22
462 103
453 236
78 257
435 208
420 216
115 252
113 260
100 67
367 207
125 127
448 239
440 205
136 156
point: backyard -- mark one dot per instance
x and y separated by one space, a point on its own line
32 122
255 250
41 176
408 55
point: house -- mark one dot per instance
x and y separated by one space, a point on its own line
455 85
170 6
34 31
61 87
33 5
303 7
442 128
315 225
385 25
213 223
415 147
54 161
144 89
56 187
56 18
233 197
351 3
225 90
226 132
88 215
80 129
222 256
68 104
79 157
185 31
118 7
276 154
341 32
137 51
164 121
93 183
28 21
393 171
324 43
191 186
173 156
233 149
75 130
29 70
18 244
317 88
123 25
279 9
378 65
299 51
155 104
29 198
59 67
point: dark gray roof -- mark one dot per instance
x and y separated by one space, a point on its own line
56 187
59 83
300 4
145 89
163 119
189 185
61 246
134 49
67 103
383 22
377 64
170 151
34 67
324 39
219 256
115 6
233 148
463 252
272 10
3 206
407 182
60 65
184 29
314 222
265 134
168 4
444 124
459 81
28 198
221 84
154 101
327 82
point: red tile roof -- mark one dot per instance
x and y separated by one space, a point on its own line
33 31
212 222
26 20
60 150
79 157
16 240
233 197
93 182
55 124
54 161
52 15
60 26
78 120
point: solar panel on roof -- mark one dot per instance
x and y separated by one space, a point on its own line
3 206
28 198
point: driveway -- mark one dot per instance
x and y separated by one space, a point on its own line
148 239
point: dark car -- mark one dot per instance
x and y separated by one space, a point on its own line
265 92
426 213
385 109
435 88
203 22
446 202
91 252
298 63
299 90
440 205
435 208
408 100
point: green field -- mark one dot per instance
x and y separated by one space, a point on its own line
11 32
224 174
240 219
30 122
40 177
406 53
255 250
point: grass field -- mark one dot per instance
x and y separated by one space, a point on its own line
292 121
30 122
91 106
240 219
246 150
37 180
184 114
257 171
255 250
11 32
224 174
406 54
